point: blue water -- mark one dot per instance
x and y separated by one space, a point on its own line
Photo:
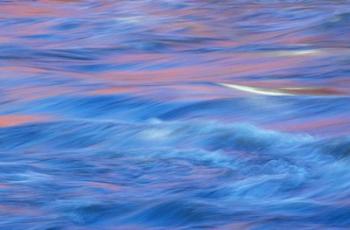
174 114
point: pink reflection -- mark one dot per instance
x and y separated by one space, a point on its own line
28 10
17 210
105 186
17 119
114 90
238 225
324 126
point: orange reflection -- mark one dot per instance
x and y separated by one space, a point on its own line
113 90
17 119
327 126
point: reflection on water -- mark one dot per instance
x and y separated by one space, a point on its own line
174 114
283 91
14 119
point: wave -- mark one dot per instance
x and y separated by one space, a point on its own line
247 171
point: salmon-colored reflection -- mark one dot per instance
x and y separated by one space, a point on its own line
104 186
37 93
313 91
19 210
4 186
231 66
239 225
327 126
114 90
17 119
27 10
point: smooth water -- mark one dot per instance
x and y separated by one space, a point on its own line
174 114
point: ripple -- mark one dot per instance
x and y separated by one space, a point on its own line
174 115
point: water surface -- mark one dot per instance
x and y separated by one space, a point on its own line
174 114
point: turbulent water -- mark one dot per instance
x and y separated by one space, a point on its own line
174 114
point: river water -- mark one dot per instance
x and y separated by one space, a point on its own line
174 114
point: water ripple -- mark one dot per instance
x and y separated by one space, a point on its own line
174 115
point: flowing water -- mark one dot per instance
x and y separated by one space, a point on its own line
169 114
